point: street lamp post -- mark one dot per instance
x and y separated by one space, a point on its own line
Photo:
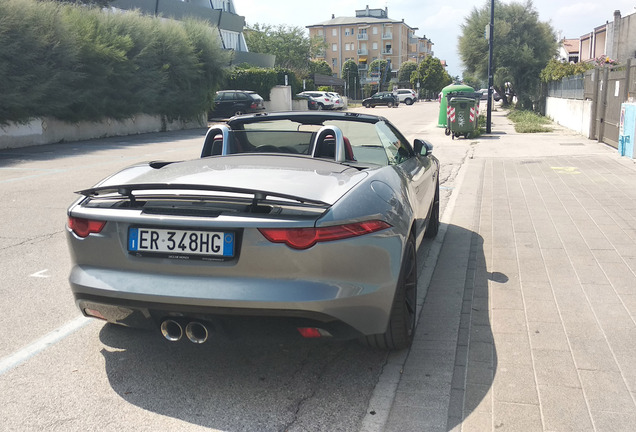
490 66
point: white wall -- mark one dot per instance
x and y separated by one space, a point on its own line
571 113
280 99
49 130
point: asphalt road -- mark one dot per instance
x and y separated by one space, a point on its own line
59 371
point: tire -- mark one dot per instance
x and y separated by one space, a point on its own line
389 104
320 107
432 227
367 105
408 101
238 112
401 328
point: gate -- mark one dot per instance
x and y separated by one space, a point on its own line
608 87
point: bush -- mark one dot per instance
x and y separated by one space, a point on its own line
260 80
79 63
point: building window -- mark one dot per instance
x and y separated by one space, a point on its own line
375 30
320 32
334 47
231 40
334 32
334 63
375 46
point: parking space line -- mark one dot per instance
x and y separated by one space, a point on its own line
15 359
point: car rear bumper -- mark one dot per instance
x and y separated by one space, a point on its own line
343 308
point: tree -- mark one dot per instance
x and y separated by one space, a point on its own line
320 67
407 68
431 75
523 46
352 78
289 44
380 67
472 81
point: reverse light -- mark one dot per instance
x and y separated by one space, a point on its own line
83 227
304 238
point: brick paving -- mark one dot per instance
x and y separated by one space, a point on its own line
529 323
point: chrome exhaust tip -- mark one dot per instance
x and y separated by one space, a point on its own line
196 332
171 330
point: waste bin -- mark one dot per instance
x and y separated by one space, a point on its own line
443 102
462 114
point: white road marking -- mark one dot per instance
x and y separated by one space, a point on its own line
15 359
40 274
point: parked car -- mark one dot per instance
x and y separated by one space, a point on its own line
229 103
311 220
322 98
337 100
312 104
484 95
381 98
406 96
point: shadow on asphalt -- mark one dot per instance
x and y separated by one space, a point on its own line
264 381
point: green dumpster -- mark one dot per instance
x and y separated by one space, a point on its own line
462 113
443 101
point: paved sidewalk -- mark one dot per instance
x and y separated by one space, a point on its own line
529 323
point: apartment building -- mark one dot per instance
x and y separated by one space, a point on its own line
368 36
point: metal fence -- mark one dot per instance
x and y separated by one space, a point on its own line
571 87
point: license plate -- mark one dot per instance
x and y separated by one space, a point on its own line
181 242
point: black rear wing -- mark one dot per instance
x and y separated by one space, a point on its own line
129 191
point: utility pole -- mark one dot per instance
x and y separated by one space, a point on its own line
490 35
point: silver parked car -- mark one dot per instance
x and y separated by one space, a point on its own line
308 219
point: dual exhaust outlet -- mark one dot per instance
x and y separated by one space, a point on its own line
195 331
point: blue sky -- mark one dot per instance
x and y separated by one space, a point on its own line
437 20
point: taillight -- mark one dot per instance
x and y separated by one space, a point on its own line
83 227
254 105
304 238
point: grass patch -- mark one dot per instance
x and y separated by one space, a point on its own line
529 121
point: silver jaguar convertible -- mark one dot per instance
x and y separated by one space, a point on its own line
311 220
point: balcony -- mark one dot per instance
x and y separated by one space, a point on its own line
387 36
387 51
363 36
363 66
363 51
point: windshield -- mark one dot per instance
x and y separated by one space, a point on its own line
371 143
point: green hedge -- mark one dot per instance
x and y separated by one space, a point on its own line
262 80
77 63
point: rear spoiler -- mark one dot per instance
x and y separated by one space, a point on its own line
128 191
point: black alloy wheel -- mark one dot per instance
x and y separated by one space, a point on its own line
399 334
432 227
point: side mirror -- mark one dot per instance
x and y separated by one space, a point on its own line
422 147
